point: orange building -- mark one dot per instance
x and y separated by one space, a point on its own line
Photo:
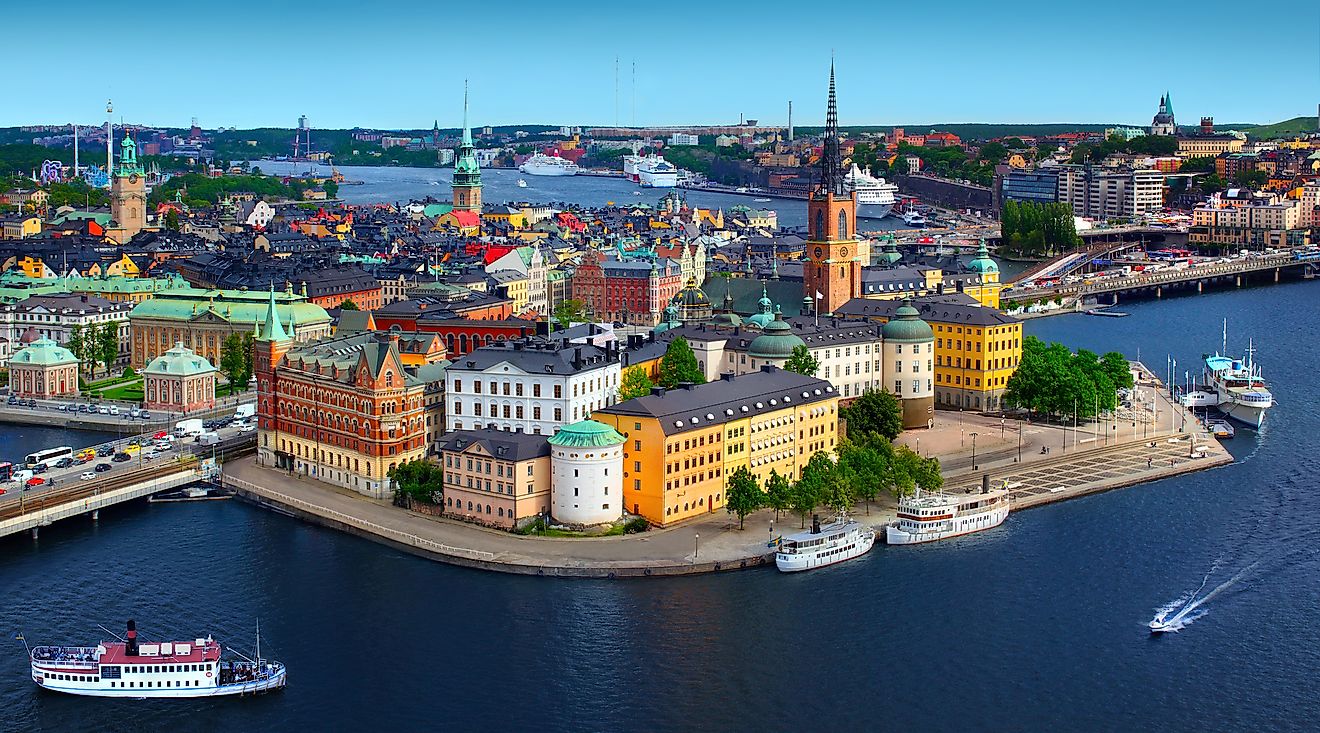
832 275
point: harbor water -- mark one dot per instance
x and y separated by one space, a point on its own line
1038 625
500 185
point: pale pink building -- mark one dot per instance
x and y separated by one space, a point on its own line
43 369
179 380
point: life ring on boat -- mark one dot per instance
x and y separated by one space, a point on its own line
208 674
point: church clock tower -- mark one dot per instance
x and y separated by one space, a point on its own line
128 193
833 272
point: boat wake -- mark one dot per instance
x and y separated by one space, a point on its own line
1183 611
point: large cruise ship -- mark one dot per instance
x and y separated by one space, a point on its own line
927 517
548 165
656 172
842 539
875 196
131 669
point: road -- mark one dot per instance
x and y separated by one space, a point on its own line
60 480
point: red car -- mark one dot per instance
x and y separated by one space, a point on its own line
35 481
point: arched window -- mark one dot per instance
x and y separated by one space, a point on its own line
843 224
820 225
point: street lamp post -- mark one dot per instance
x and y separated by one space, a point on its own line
696 548
974 451
1019 455
772 533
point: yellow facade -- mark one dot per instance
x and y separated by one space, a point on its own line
22 227
680 476
124 267
973 363
515 218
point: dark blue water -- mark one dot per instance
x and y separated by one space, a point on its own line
1035 626
16 441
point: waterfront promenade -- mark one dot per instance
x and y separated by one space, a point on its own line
1079 461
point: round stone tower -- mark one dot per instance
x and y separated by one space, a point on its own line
586 474
909 360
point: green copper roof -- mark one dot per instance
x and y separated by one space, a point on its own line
235 306
983 264
777 341
128 163
44 352
466 170
179 361
271 330
907 327
586 434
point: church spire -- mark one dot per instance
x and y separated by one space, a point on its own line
272 330
831 162
467 131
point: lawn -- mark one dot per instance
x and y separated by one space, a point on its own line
124 392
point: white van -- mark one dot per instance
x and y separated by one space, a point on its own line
22 475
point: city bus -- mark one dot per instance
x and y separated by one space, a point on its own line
48 457
6 471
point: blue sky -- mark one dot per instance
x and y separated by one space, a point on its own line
246 64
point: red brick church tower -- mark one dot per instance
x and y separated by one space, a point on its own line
833 274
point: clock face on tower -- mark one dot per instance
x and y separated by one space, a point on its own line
820 252
132 178
843 251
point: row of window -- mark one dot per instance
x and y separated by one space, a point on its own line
689 506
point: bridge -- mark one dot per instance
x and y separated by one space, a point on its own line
1158 282
28 510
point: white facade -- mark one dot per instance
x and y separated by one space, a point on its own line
1310 202
506 397
260 215
911 369
586 484
683 138
54 318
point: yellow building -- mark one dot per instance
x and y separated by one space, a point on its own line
1208 146
19 226
684 443
514 218
977 348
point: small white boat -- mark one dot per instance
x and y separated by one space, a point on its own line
1160 624
762 201
842 539
522 183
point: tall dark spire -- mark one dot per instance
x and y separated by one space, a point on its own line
831 162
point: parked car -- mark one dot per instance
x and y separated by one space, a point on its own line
64 462
145 415
149 455
105 452
102 467
40 468
13 400
87 475
121 457
34 481
114 409
103 410
247 429
31 403
82 408
135 412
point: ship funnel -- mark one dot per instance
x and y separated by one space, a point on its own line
985 483
131 643
815 524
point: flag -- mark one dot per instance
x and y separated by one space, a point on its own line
19 637
820 295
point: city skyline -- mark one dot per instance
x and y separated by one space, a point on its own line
370 79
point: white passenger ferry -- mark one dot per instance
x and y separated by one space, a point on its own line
165 669
930 516
842 539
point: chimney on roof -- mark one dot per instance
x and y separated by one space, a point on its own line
577 357
727 376
769 368
689 386
657 391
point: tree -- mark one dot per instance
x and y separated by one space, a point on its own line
1251 179
742 494
679 365
811 487
231 359
917 471
568 311
107 343
78 344
778 493
172 219
634 383
348 305
248 364
993 152
867 464
418 480
874 412
802 362
331 189
900 166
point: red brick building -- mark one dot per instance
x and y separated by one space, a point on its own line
628 291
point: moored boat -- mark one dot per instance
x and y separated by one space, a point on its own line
1240 390
541 164
127 668
842 539
875 196
930 516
